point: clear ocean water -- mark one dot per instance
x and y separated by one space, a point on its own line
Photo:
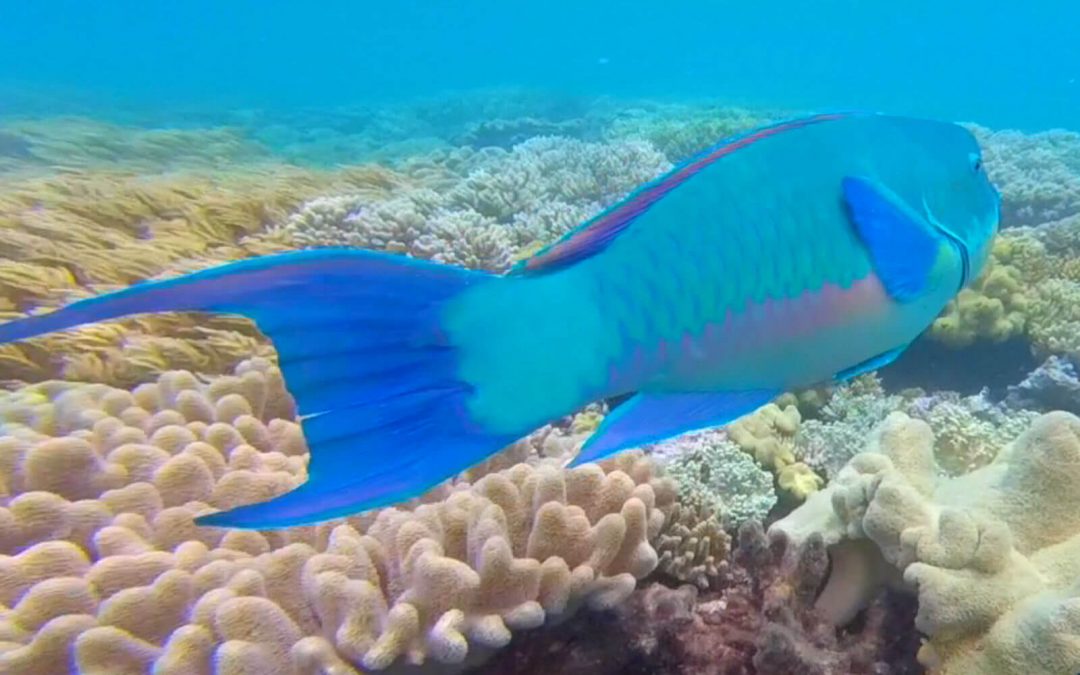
770 389
1011 64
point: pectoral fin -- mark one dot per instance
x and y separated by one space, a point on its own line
652 417
903 245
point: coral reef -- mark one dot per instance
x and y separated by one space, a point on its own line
995 307
86 232
715 476
479 209
105 461
103 567
992 555
1054 385
1038 174
679 131
760 621
768 436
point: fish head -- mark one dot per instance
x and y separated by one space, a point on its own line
943 177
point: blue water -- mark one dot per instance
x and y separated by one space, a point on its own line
1002 64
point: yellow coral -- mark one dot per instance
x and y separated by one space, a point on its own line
994 308
769 436
799 480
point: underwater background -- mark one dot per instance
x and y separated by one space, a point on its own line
921 519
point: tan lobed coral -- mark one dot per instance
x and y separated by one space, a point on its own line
103 567
992 555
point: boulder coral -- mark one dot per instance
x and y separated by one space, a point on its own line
102 567
993 555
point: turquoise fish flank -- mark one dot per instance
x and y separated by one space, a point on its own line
800 253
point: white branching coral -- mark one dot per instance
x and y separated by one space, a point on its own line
478 209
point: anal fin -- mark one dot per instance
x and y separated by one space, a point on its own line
652 417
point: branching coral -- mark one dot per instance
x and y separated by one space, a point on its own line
1038 174
969 432
105 569
80 142
992 555
479 209
715 476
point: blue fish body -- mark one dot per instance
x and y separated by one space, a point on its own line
795 254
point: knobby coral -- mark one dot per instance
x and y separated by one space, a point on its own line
769 436
103 567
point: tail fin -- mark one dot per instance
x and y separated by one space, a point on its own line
360 343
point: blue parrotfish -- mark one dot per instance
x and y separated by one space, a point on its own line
801 253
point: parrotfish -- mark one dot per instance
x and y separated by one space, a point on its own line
796 254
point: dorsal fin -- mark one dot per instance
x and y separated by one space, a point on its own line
595 234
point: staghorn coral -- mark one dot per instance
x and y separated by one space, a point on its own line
506 133
103 567
991 555
85 143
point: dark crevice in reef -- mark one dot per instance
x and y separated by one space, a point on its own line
932 366
758 619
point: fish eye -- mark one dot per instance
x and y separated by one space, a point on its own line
976 162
